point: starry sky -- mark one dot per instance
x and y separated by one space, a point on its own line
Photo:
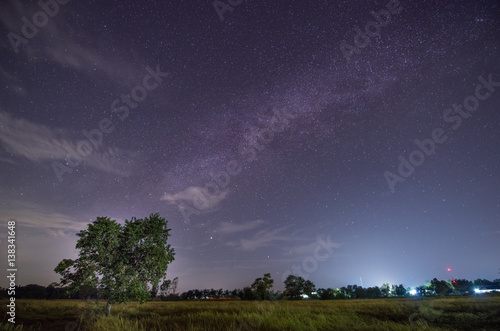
347 142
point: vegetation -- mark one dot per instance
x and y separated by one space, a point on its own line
457 313
126 264
119 261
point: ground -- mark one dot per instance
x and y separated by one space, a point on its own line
451 313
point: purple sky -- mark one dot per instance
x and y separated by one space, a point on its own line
279 136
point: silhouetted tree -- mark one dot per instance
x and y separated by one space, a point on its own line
119 260
441 287
261 286
400 290
294 287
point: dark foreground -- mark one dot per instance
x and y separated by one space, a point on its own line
453 313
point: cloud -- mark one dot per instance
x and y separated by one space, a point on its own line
70 46
55 224
39 143
230 228
260 239
308 249
198 196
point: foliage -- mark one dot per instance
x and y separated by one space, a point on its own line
441 287
296 286
120 261
261 286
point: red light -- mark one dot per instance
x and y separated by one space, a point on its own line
449 269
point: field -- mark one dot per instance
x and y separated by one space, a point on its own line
452 313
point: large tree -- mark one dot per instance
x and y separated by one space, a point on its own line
120 261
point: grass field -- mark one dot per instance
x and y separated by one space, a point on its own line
452 313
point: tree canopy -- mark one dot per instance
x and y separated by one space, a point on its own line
121 261
261 286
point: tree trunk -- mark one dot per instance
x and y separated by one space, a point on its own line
108 311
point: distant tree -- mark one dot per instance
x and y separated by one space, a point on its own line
482 282
275 295
327 294
373 292
394 288
421 290
31 291
294 287
261 286
52 290
168 288
165 287
309 287
463 286
385 290
248 294
121 261
351 291
361 292
441 287
400 290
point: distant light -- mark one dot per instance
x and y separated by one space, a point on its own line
449 269
413 292
477 290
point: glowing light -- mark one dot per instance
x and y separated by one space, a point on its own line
477 290
449 269
413 292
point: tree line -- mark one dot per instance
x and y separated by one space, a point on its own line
296 288
119 263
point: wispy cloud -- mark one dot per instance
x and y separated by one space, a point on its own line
197 196
260 239
53 223
40 143
71 46
231 228
308 249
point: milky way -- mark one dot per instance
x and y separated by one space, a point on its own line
258 136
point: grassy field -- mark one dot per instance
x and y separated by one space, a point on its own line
458 313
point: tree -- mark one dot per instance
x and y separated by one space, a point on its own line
261 286
441 287
121 261
168 287
294 286
309 287
400 290
385 290
327 294
165 287
247 294
463 286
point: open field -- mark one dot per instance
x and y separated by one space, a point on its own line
452 313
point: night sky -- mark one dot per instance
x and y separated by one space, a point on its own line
274 136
